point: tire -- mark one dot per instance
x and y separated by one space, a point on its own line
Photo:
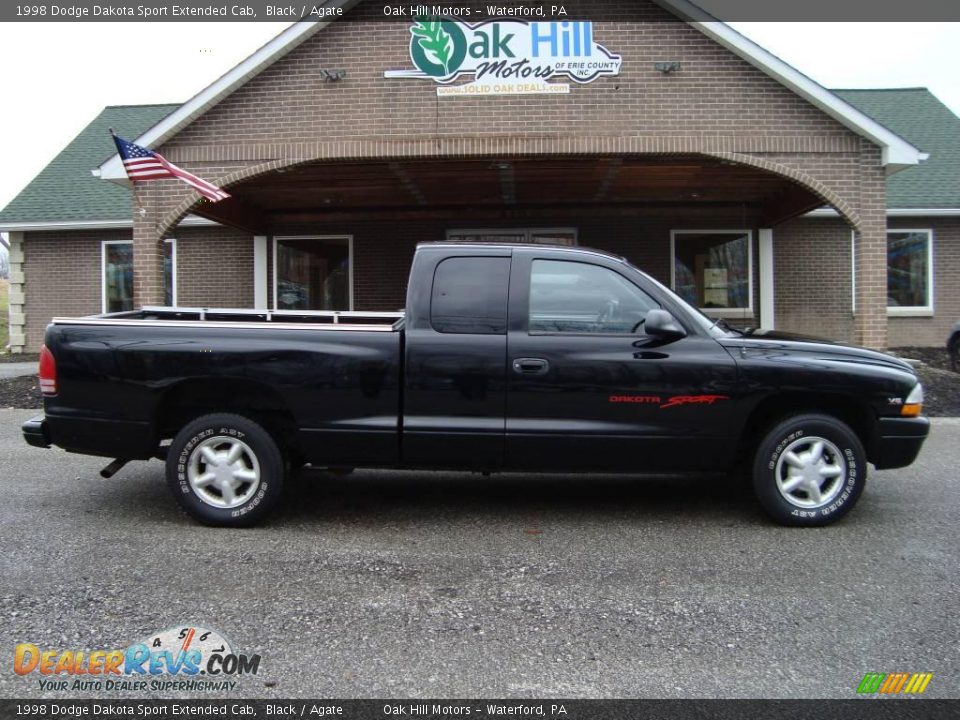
242 488
953 349
809 470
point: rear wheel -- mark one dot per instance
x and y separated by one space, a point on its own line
953 348
809 470
225 470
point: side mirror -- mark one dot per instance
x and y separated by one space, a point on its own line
662 324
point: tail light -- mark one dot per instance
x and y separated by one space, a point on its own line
48 373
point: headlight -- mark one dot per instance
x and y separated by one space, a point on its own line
913 405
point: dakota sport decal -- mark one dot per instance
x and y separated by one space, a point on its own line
674 401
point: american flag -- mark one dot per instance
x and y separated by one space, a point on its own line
142 164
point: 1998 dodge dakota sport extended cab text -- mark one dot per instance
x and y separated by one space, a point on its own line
508 357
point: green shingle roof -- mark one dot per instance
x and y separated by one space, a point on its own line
916 115
65 189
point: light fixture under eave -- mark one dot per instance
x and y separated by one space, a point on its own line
332 75
667 67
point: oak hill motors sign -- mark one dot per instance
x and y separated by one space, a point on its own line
511 57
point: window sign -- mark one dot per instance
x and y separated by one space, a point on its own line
712 269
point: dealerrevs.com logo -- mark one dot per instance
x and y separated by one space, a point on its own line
188 658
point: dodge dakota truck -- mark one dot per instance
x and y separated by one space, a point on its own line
507 358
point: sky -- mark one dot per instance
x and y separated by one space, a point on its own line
58 76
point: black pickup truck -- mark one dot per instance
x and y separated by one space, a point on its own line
508 358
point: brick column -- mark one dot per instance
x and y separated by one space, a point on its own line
870 259
147 250
18 320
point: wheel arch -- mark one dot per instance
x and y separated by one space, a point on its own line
853 411
190 399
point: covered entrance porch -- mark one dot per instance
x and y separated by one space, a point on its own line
340 235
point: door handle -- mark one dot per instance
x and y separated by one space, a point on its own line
530 366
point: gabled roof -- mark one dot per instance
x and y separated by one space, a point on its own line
64 191
897 152
292 37
917 114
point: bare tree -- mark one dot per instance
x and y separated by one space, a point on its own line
4 262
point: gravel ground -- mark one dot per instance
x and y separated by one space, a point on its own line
20 357
21 392
388 584
936 357
941 385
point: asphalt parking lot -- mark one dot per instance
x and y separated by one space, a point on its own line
386 584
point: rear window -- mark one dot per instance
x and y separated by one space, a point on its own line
470 296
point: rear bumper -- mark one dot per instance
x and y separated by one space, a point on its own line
35 432
899 441
92 436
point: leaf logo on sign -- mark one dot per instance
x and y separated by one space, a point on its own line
435 41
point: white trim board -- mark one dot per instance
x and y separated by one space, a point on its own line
829 212
260 280
188 221
767 282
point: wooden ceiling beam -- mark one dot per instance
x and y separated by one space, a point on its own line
733 212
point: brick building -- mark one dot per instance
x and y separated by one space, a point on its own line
751 190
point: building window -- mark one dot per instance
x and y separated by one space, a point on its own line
534 236
713 269
909 272
313 273
170 273
117 275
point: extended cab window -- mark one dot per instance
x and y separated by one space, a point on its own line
576 297
470 295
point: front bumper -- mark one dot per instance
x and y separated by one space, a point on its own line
35 432
899 441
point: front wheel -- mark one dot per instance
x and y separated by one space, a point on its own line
809 470
225 470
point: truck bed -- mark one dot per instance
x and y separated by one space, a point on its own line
332 379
